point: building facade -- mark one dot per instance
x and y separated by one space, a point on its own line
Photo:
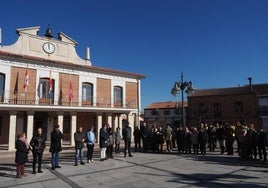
43 82
162 113
247 104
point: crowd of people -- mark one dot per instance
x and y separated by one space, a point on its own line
109 144
251 143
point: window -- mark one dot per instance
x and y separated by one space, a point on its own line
2 87
263 101
201 109
166 112
87 93
118 96
217 110
238 106
46 91
155 112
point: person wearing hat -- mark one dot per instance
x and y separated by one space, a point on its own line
55 147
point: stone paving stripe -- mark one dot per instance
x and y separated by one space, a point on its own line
63 178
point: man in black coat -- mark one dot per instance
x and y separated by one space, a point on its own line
38 145
261 139
145 134
127 139
55 147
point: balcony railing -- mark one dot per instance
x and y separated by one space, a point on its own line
59 100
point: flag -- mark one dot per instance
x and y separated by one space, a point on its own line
16 88
26 80
50 82
60 96
70 92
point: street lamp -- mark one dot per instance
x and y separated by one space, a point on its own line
180 86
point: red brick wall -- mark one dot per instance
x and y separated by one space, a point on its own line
228 110
103 92
17 83
131 94
64 87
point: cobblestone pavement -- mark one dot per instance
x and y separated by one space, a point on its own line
142 170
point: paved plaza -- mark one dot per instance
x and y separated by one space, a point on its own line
143 170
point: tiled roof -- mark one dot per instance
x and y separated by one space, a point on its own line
169 104
73 66
259 89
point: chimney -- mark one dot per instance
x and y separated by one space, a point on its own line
0 36
250 84
87 54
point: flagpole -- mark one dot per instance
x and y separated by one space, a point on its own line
26 83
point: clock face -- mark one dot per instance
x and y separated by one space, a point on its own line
48 47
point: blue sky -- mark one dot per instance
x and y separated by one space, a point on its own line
216 43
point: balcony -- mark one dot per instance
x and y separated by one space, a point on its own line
60 100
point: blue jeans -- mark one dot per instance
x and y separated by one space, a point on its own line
55 160
78 154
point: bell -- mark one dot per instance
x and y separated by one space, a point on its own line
48 33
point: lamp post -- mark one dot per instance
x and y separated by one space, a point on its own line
180 86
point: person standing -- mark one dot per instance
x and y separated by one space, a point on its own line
180 140
127 139
117 137
22 152
55 147
221 137
38 144
194 140
79 138
168 137
137 138
229 134
110 144
90 141
103 142
261 145
145 134
160 140
202 140
252 141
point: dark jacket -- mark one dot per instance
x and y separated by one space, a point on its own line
104 135
202 137
78 139
21 153
38 143
55 145
127 133
137 133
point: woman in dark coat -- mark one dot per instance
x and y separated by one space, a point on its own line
38 145
21 157
104 135
55 146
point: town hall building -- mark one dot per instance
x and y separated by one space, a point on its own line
43 82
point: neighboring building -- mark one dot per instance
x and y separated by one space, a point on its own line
248 104
44 82
161 113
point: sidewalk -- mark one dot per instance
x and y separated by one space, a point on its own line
142 170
